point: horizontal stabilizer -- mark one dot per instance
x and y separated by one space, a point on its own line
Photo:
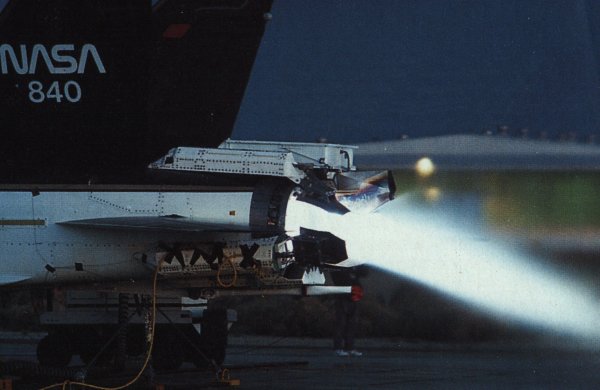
12 279
172 222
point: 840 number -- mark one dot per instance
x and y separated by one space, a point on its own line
69 91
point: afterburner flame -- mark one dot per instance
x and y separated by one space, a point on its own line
421 246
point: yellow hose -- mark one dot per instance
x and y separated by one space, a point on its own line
233 281
148 355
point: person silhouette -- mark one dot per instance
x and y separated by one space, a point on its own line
346 311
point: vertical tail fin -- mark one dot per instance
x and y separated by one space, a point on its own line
98 88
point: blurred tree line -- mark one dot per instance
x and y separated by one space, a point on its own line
407 312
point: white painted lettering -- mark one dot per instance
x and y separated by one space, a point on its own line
37 50
85 51
19 67
63 59
57 57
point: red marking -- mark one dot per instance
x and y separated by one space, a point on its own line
176 31
357 293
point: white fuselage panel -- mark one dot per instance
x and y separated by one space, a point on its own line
36 246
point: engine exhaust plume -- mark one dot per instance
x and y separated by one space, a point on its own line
410 242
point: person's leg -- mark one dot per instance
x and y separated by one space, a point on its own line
340 325
351 318
351 323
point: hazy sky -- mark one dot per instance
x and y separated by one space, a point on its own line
356 70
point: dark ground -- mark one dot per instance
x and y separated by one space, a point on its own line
295 363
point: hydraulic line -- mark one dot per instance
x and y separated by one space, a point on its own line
232 265
66 384
257 269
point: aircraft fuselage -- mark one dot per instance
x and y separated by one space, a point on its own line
90 236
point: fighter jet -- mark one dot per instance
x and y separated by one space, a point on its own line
120 189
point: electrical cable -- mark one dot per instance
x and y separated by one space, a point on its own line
67 382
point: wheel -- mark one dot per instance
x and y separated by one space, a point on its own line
54 350
168 352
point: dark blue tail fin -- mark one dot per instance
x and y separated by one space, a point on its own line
96 89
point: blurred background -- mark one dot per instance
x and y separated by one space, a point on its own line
355 71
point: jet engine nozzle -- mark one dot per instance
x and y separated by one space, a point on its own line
356 191
364 191
317 192
316 248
